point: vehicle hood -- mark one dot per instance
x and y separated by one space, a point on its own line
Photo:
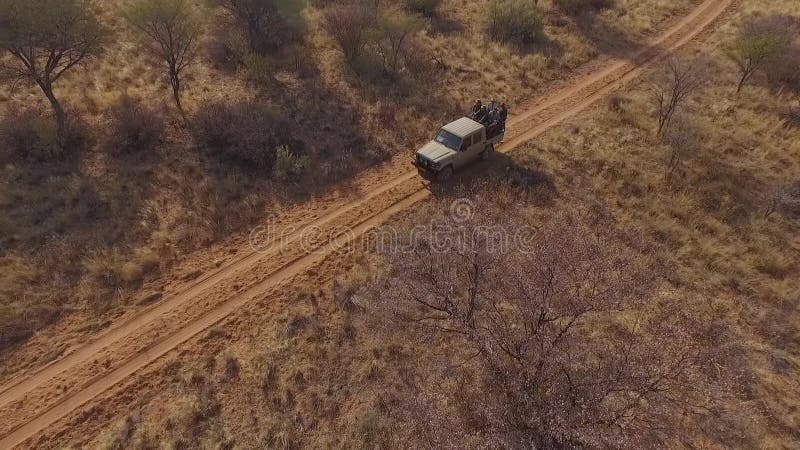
435 151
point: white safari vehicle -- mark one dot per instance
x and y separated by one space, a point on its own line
457 144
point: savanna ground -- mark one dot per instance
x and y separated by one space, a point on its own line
320 367
84 240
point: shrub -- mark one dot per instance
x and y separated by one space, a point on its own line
113 268
515 21
104 266
225 49
245 133
422 65
19 322
784 198
267 25
785 72
760 42
288 166
22 309
557 361
684 138
132 126
574 7
426 7
791 116
668 97
30 136
349 25
391 38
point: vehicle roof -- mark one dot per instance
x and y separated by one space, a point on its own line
463 127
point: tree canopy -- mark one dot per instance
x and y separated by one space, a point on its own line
47 38
171 33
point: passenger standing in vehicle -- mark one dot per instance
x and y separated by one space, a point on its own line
490 131
503 116
493 115
476 107
481 114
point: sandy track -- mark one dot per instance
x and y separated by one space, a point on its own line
32 404
15 390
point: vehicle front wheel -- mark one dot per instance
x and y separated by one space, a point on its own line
445 174
487 153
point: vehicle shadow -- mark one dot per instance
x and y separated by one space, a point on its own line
529 185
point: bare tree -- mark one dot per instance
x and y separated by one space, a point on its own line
46 39
392 36
760 42
549 328
684 138
668 96
171 34
349 24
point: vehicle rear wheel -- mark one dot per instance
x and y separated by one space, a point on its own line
488 152
445 174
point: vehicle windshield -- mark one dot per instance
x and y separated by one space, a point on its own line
449 140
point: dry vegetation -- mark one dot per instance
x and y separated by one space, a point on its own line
714 218
90 223
712 289
694 192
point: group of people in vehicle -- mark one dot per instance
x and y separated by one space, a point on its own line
493 116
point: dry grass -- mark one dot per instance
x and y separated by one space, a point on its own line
483 67
316 375
109 224
730 262
311 376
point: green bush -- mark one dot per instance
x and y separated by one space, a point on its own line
785 72
288 166
426 7
244 133
761 42
515 21
258 69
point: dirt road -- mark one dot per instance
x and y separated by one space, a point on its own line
32 404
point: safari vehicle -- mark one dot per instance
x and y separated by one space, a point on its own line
456 145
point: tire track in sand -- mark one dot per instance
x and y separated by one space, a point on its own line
550 112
